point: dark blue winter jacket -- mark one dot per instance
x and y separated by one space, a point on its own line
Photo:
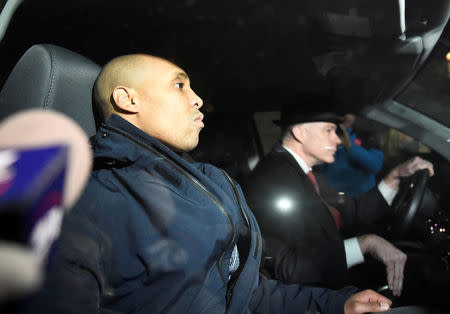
153 233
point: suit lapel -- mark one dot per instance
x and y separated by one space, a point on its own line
319 210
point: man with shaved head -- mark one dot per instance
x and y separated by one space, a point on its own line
154 233
174 105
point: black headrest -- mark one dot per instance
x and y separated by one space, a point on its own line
51 77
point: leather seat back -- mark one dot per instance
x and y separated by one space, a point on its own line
51 77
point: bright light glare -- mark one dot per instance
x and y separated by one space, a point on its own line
447 56
284 205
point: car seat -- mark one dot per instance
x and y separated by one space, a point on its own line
52 77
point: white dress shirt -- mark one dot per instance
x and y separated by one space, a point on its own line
353 252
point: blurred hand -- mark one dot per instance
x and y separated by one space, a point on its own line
366 301
389 255
345 138
407 169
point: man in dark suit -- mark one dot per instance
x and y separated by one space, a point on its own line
302 231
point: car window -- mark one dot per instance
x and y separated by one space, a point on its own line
429 91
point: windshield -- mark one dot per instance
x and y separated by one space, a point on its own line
429 91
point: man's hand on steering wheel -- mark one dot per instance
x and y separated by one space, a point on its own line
407 169
410 194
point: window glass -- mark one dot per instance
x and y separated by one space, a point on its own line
429 91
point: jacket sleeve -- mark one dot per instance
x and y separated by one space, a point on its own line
320 263
364 210
73 282
370 159
274 297
356 212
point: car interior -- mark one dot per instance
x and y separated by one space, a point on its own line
51 77
371 55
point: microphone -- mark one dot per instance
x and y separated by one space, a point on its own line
45 162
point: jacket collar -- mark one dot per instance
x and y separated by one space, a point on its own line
119 143
109 144
299 160
280 149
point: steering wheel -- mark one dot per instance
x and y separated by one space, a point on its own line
408 201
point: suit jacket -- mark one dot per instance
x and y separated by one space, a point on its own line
301 240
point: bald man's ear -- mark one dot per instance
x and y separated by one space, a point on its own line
124 99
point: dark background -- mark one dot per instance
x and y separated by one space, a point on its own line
241 55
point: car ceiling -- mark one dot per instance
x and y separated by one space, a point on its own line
249 55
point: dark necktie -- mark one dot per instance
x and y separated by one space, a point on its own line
334 212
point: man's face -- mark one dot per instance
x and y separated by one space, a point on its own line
320 142
169 108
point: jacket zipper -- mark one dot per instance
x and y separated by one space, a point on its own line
236 193
229 293
197 184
